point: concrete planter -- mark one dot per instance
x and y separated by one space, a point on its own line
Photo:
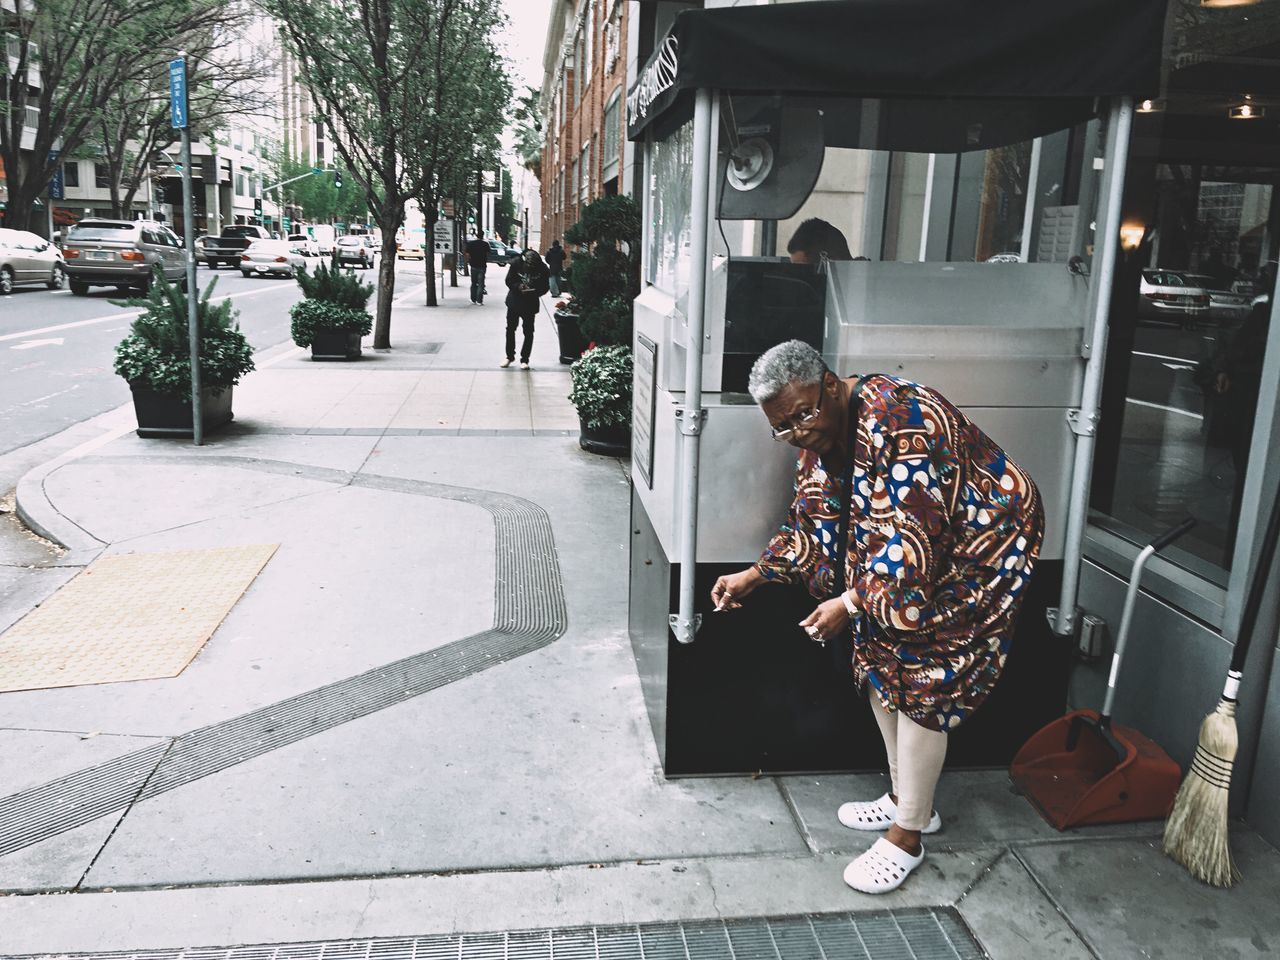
606 441
166 415
572 343
336 345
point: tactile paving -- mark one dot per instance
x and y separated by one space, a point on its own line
133 616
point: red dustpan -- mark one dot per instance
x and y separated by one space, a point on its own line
1083 769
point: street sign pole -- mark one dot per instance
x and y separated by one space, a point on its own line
178 118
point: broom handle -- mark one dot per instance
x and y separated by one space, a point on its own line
1252 603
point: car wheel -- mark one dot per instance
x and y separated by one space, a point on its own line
245 274
213 264
58 279
6 281
144 286
80 289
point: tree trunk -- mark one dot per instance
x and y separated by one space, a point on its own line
429 253
388 224
20 214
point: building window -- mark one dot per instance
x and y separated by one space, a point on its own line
101 176
1187 361
612 134
32 118
240 189
71 174
584 188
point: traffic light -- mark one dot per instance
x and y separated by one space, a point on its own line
337 179
257 206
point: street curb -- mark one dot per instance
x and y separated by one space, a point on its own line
36 510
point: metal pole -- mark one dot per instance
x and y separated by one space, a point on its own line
684 624
1084 422
1033 189
193 323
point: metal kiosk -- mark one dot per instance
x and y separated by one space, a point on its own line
897 117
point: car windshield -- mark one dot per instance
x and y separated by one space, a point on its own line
1201 280
103 231
240 232
350 242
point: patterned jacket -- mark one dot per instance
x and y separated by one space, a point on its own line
944 533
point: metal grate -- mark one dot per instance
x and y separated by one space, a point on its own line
529 614
929 933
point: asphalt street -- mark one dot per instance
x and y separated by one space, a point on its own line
57 349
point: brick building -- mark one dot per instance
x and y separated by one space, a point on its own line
585 154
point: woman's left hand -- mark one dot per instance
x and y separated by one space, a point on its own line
827 620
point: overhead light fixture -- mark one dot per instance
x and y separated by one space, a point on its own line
1132 235
1151 106
1247 110
1228 3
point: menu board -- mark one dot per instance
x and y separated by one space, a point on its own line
644 397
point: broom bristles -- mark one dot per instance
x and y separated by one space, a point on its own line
1196 832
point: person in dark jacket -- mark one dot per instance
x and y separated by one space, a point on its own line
478 259
527 280
555 263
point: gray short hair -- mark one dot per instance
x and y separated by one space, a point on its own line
792 362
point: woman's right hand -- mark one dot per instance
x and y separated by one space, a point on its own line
730 589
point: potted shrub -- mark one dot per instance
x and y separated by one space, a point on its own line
605 276
331 318
602 393
155 360
572 342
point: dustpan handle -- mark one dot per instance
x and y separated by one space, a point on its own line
1130 602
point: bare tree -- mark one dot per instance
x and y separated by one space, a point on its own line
72 56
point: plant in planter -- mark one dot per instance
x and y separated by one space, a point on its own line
602 393
331 318
606 279
155 359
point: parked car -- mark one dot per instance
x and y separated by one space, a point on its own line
357 250
121 254
305 243
28 259
1167 296
1225 306
410 246
233 241
279 258
501 254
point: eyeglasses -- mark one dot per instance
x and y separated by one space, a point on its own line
803 422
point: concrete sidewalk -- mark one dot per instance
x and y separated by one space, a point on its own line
423 717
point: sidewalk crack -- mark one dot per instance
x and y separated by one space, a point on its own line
124 813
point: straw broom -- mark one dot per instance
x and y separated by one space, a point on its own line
1196 832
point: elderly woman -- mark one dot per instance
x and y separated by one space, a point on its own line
941 531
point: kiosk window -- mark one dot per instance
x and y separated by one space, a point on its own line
670 190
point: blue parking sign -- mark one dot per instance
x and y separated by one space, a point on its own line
178 93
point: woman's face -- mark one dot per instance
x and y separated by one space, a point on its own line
804 415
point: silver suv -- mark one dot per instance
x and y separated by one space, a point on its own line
26 258
121 254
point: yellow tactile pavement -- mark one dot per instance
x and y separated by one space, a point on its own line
133 616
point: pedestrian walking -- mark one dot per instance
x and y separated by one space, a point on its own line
478 259
918 535
555 263
527 280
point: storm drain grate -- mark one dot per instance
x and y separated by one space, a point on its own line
929 933
529 613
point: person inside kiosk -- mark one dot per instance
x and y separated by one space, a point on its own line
941 531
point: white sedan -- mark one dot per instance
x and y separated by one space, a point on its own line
280 258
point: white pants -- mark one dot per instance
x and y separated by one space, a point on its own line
915 762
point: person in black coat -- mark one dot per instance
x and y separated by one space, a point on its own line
527 281
555 264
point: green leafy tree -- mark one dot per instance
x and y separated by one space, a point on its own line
376 68
528 131
315 197
606 275
82 52
464 109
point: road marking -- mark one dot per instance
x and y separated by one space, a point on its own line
1161 406
49 396
1178 366
130 315
1161 356
29 344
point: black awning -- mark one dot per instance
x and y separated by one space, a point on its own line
908 49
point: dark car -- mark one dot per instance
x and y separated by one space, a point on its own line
358 250
501 254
